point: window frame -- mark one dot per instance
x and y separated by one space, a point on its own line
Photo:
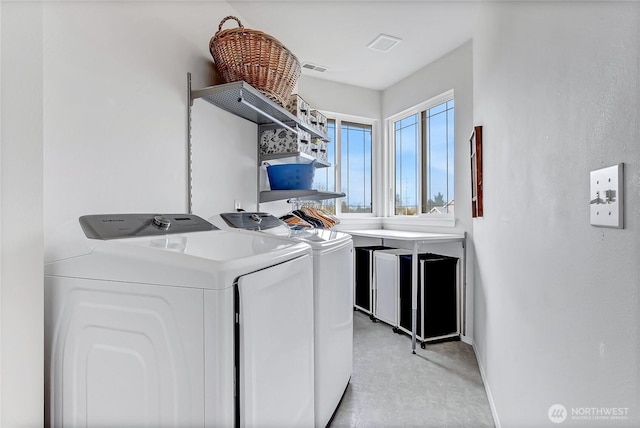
446 219
376 182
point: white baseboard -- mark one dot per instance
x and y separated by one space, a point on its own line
487 389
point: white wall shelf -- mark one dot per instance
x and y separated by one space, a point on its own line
301 195
243 100
297 157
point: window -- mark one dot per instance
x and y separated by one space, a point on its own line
349 148
422 141
324 178
355 171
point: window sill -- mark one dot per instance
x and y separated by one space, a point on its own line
359 222
396 222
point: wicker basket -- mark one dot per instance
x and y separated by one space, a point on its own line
257 58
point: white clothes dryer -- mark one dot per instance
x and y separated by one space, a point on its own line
163 320
333 280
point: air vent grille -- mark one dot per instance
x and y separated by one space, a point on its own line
384 43
314 67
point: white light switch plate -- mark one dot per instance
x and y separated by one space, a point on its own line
606 197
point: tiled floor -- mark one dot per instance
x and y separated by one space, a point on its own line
439 386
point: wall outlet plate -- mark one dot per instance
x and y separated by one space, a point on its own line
606 196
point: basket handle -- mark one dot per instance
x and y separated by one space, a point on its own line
226 19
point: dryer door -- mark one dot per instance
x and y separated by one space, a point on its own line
275 338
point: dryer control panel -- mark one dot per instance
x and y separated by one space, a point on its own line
252 221
115 226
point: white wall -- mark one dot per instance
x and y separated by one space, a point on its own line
224 160
115 99
340 98
556 87
21 213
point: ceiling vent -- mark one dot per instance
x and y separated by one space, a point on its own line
314 67
384 43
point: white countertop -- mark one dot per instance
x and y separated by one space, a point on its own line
406 235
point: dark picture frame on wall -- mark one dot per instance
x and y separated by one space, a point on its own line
476 171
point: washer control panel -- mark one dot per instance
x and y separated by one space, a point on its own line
251 221
115 226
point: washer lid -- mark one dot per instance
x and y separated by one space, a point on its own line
210 259
320 237
260 222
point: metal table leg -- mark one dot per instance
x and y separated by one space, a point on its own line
414 295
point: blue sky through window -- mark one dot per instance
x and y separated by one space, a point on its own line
433 168
355 173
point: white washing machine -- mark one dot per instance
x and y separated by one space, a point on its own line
333 301
166 321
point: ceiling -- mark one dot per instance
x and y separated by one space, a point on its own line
335 34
